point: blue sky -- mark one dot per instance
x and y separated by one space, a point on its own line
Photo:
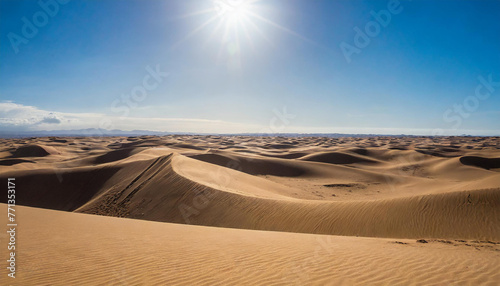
251 66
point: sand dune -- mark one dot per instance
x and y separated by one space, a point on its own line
33 150
253 166
440 189
78 249
337 158
486 163
174 188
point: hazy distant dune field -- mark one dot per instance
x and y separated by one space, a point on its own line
442 191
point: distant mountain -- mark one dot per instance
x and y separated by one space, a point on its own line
94 132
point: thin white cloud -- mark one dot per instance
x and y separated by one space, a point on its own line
18 117
14 116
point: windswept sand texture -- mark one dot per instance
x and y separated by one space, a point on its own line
315 195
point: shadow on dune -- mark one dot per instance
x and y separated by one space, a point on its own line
440 152
33 150
337 158
12 162
481 162
116 155
59 189
252 166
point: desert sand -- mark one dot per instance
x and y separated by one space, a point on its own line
255 210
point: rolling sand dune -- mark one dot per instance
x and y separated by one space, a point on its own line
445 190
73 249
33 150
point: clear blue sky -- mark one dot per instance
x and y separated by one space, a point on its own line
232 66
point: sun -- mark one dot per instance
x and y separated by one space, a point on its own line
240 24
233 11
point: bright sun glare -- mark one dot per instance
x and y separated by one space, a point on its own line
233 11
236 21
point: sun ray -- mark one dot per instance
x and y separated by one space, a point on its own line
224 39
238 22
212 34
259 31
190 34
196 13
247 34
238 48
278 26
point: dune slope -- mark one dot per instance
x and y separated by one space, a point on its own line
232 210
174 188
79 249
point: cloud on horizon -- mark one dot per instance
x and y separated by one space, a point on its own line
16 117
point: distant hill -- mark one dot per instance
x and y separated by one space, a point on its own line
94 132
